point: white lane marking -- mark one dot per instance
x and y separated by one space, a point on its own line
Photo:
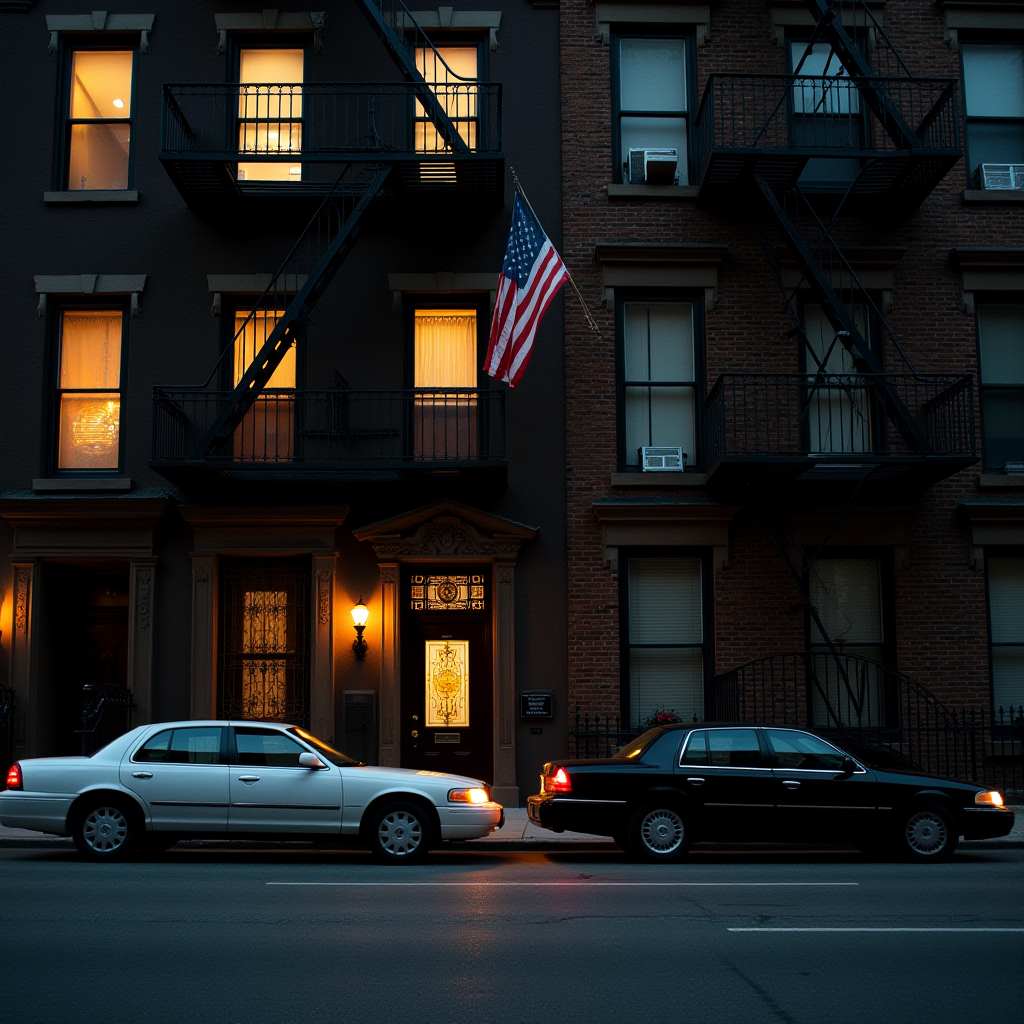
581 885
876 929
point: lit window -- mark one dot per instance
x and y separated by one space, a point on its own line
270 113
89 395
452 73
652 108
1001 352
659 382
265 633
99 119
267 432
994 101
1006 614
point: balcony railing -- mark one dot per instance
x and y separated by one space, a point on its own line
785 119
336 429
326 122
754 417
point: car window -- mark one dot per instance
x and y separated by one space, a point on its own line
724 748
801 750
265 748
332 755
635 748
193 745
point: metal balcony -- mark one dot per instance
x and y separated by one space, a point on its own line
826 133
301 133
333 434
835 428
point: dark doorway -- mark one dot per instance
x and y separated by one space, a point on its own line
447 704
83 641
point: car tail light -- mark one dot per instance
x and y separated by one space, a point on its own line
992 798
14 776
558 781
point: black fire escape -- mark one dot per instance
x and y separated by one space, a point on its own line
433 138
858 422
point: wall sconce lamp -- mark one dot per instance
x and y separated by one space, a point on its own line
360 613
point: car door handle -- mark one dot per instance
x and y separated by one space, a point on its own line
695 782
142 775
248 779
791 784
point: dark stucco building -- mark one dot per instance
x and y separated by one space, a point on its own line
249 260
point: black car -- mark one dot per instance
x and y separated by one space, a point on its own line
678 784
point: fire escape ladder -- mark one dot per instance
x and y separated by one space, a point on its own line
298 285
825 269
853 31
403 38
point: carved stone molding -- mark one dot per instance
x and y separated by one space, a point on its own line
323 596
145 578
22 588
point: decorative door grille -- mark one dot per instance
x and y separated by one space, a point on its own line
264 640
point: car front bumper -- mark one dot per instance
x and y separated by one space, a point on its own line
987 822
472 821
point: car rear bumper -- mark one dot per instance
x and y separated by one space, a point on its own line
595 817
38 812
987 822
472 821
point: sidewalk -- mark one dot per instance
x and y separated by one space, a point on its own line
519 833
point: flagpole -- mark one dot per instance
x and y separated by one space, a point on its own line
586 309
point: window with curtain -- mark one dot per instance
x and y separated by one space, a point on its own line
1006 616
99 119
839 410
445 377
847 595
89 389
1001 357
451 72
267 432
653 99
665 637
994 102
270 112
659 378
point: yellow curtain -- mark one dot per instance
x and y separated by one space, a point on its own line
445 342
90 350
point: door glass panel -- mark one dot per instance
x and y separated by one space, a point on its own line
801 750
259 748
270 112
734 748
447 684
200 745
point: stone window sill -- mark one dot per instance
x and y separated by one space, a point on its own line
652 191
659 479
993 195
98 195
68 484
1001 481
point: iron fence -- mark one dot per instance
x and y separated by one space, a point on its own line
338 427
6 728
781 415
599 735
326 121
106 714
826 114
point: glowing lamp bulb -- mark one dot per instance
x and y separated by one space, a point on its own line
119 104
360 613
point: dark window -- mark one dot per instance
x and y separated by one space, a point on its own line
264 639
194 745
994 104
95 142
89 365
799 750
1006 632
1001 358
724 748
264 748
653 86
659 359
156 748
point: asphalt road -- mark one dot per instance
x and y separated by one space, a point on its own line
246 937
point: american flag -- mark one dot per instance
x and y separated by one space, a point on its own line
530 278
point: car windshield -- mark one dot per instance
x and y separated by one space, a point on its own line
636 747
332 755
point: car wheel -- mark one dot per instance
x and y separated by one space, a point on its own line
928 833
107 830
401 833
660 833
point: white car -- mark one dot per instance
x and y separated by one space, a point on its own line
239 780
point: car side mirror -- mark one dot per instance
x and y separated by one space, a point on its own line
307 760
849 766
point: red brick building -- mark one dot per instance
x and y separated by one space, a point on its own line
801 229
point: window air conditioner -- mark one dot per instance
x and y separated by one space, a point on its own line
653 166
1001 176
662 460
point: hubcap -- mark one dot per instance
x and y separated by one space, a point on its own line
400 833
662 831
926 833
105 829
